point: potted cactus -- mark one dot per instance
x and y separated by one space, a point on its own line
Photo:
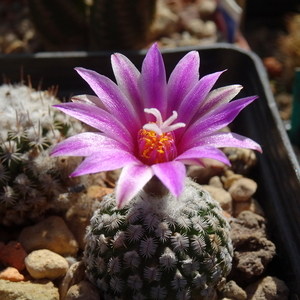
159 236
277 168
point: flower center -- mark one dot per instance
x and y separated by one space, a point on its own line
156 140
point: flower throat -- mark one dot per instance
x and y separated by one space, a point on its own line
156 140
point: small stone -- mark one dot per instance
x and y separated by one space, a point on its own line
74 275
11 274
242 189
232 290
46 264
202 175
52 234
222 196
82 291
27 290
216 181
251 205
229 178
268 288
13 255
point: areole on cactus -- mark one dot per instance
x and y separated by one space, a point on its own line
160 235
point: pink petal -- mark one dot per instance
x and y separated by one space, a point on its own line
184 76
84 144
112 98
172 174
203 152
214 121
195 97
132 179
226 139
153 84
217 97
99 119
127 77
105 160
88 99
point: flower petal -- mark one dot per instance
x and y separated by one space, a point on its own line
227 139
105 160
184 76
89 99
127 77
196 96
203 152
132 179
214 121
112 97
153 84
172 175
84 144
99 119
217 97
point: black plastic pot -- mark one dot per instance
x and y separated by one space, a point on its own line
277 173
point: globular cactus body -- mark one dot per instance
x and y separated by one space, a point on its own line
30 180
159 247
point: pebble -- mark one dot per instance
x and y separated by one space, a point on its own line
202 175
216 181
222 196
74 275
82 291
242 189
232 290
11 274
27 290
13 255
52 234
229 178
268 288
252 205
46 264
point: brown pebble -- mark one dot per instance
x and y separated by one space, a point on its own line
13 255
242 189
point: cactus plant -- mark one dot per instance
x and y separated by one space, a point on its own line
159 246
158 236
92 25
30 180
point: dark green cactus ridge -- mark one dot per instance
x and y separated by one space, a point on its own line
92 25
159 247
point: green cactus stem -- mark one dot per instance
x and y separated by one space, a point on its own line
158 246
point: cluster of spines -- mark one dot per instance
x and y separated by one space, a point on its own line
141 254
29 178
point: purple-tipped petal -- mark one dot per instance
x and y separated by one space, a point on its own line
99 119
184 76
105 160
172 175
132 179
214 121
153 83
217 97
227 139
196 96
88 99
112 97
84 144
127 77
203 152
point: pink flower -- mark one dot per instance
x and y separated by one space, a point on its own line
149 126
